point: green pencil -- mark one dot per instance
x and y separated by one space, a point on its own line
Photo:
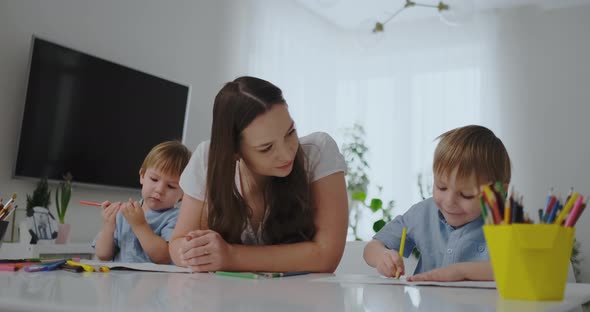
249 275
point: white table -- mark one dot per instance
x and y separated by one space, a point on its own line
145 291
21 251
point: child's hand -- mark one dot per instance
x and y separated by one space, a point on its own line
109 215
205 251
133 213
390 263
449 273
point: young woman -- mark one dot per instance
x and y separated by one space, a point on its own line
257 197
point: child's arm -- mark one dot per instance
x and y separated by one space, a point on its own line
387 261
470 271
105 242
154 246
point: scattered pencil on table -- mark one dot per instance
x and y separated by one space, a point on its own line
72 268
6 267
49 266
259 275
86 267
249 275
282 274
45 264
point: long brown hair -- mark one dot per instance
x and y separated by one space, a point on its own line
288 199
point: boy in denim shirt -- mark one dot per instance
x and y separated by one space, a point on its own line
139 231
447 228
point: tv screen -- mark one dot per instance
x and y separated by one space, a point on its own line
93 118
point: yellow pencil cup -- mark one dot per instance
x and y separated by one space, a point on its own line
530 261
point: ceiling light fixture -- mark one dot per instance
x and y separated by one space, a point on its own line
441 6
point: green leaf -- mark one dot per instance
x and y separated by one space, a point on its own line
376 204
57 202
63 194
360 196
65 200
378 225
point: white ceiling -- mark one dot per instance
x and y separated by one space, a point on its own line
351 14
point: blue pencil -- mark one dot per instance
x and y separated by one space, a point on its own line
51 266
553 212
285 274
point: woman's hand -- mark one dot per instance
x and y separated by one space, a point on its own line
205 251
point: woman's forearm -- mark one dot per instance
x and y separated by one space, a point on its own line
305 256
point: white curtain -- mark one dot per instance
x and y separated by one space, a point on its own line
421 79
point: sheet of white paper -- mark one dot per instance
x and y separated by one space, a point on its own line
139 266
366 279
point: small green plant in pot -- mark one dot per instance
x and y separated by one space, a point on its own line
40 225
63 194
41 197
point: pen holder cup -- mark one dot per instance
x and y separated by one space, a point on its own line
530 261
3 227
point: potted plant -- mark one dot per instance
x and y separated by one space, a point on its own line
63 194
40 223
41 197
355 151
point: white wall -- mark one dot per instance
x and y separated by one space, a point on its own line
542 90
180 40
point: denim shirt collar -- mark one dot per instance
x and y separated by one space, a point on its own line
478 222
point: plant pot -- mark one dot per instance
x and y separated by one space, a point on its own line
3 227
63 233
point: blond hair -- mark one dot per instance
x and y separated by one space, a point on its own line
170 157
472 150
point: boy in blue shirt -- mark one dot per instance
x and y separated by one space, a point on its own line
447 228
139 231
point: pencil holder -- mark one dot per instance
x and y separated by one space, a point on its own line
3 227
530 261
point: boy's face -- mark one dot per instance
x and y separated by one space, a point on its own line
458 201
159 190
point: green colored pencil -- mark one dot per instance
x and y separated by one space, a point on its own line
248 275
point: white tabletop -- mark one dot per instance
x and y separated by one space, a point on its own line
21 251
149 291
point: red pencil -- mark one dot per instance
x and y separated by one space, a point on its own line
7 268
89 203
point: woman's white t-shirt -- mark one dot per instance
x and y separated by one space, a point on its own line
323 159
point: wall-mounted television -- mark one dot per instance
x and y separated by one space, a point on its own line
93 118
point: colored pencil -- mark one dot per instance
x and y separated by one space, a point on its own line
90 203
402 244
248 275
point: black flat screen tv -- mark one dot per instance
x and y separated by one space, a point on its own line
93 118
